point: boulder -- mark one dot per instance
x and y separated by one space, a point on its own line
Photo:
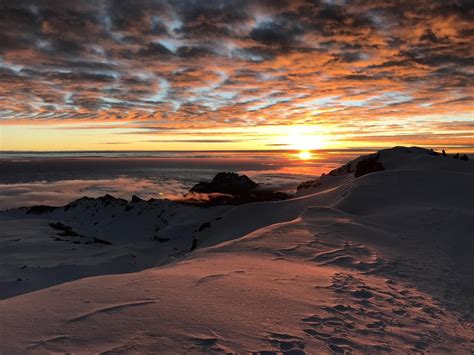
41 209
230 189
367 166
226 183
136 199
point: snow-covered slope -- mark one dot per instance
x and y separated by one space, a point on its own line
376 263
412 177
398 158
41 247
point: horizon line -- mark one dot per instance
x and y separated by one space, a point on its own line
354 149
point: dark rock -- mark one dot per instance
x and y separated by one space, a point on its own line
69 233
230 189
136 199
204 226
108 199
41 209
368 165
342 170
59 226
101 241
75 203
194 245
464 157
66 231
225 183
308 184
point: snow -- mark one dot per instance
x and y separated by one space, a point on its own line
382 262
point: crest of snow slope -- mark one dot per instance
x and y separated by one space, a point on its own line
412 179
107 236
398 158
383 262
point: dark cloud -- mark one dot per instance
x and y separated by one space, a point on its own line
193 51
347 57
277 32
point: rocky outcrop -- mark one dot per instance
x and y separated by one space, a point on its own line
229 188
226 183
308 184
369 165
41 209
136 199
105 200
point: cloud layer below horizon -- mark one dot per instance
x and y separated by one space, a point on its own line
367 71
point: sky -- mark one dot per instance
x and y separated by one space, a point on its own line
217 75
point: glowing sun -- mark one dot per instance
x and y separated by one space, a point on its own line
305 155
304 139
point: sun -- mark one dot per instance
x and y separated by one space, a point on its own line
305 155
304 139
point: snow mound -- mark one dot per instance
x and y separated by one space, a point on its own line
398 158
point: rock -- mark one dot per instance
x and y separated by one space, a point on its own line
107 199
41 209
343 170
100 241
194 245
77 202
226 183
65 231
230 189
136 199
308 184
204 226
367 166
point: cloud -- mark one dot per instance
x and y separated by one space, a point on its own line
194 141
112 143
59 181
235 63
59 193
